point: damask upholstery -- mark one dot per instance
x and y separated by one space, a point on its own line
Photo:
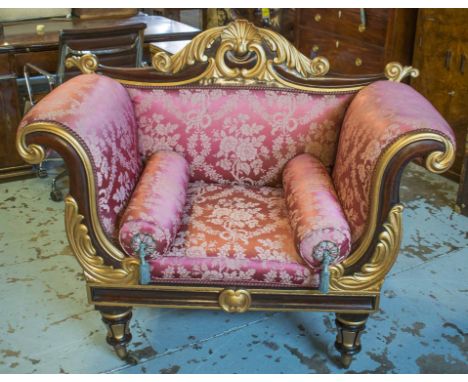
153 215
243 135
315 213
233 233
108 134
253 235
379 114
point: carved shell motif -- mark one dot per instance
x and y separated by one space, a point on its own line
240 38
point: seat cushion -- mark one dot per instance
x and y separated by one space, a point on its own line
233 234
152 218
318 222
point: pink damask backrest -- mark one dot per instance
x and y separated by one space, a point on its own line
238 135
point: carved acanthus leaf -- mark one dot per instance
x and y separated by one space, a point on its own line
241 37
372 274
94 268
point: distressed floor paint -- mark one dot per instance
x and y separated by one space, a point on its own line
47 327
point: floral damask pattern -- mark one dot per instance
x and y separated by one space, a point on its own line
98 111
378 115
156 205
234 233
243 136
314 210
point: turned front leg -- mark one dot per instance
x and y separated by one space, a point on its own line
348 341
117 321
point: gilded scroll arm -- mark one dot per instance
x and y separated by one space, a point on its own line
94 268
372 274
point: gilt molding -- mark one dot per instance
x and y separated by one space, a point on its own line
242 39
95 270
440 161
235 301
437 161
372 274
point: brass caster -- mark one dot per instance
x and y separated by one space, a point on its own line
132 359
346 360
118 335
125 355
348 341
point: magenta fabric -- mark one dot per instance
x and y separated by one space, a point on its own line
244 136
314 211
153 215
379 114
234 233
99 112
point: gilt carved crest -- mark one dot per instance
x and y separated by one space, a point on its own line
263 49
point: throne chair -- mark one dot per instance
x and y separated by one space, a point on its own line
237 174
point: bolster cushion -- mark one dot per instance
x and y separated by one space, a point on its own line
314 211
153 216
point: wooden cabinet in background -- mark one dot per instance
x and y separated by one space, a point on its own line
356 41
441 55
10 160
21 44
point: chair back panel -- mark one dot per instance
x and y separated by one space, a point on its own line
114 46
244 135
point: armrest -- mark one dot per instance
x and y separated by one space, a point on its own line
321 232
89 120
153 216
386 124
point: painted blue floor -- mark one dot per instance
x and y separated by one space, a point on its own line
46 326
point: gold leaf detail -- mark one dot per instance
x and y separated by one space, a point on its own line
87 63
396 72
93 265
235 301
372 274
440 161
33 153
241 38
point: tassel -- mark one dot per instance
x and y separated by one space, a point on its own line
325 275
145 275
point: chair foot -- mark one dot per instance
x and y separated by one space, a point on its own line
125 355
117 321
56 195
348 341
41 172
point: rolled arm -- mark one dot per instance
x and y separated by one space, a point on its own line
382 122
97 113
